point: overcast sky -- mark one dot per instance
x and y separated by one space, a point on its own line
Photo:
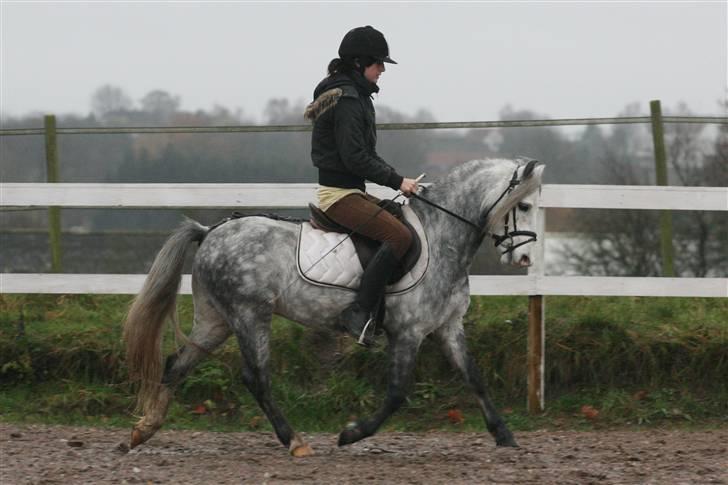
461 61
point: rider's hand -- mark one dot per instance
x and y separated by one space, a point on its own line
408 187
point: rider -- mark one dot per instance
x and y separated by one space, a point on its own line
343 148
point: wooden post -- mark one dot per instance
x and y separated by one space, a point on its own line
658 141
536 323
52 176
536 345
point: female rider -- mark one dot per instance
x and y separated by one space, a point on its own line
343 148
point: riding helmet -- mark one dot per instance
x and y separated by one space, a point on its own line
365 41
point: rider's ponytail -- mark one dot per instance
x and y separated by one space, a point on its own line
346 65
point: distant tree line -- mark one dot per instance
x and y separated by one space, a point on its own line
621 155
268 157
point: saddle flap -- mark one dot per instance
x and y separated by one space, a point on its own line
328 258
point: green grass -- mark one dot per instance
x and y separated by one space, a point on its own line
70 403
637 361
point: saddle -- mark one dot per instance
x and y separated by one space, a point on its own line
327 256
366 247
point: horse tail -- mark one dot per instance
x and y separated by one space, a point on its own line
155 303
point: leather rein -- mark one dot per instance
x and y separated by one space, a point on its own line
497 238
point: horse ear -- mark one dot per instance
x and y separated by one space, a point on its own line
529 168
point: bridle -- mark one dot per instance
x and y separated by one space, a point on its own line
497 238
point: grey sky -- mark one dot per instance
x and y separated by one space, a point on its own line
461 61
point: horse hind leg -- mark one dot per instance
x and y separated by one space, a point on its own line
252 329
452 339
209 331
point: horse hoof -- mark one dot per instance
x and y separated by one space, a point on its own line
507 441
302 451
136 439
351 435
299 448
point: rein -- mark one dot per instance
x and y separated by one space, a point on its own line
446 211
497 238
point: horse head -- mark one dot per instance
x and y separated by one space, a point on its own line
511 221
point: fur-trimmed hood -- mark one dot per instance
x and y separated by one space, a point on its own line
332 88
323 103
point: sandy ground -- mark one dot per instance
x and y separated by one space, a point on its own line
58 454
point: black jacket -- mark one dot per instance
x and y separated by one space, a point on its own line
344 138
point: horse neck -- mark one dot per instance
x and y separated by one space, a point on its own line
465 192
451 241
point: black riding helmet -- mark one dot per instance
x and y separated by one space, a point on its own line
365 42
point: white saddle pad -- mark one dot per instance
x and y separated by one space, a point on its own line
340 268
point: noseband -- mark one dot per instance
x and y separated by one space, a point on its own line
508 236
497 238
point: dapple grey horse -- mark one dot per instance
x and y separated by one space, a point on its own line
245 271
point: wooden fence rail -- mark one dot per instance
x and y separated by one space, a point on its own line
129 284
287 196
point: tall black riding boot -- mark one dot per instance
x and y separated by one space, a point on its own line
373 282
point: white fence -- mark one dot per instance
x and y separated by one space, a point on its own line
74 195
535 284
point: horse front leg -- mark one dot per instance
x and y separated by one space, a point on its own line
403 354
452 338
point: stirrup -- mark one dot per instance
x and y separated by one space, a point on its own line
362 338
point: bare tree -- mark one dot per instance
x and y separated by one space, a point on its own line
627 242
544 143
616 243
161 104
709 230
109 99
280 111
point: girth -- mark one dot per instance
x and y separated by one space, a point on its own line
366 247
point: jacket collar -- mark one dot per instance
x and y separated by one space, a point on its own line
364 87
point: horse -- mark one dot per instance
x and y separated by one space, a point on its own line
245 270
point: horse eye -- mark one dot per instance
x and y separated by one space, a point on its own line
523 206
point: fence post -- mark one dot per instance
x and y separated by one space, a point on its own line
658 141
536 361
536 319
52 176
